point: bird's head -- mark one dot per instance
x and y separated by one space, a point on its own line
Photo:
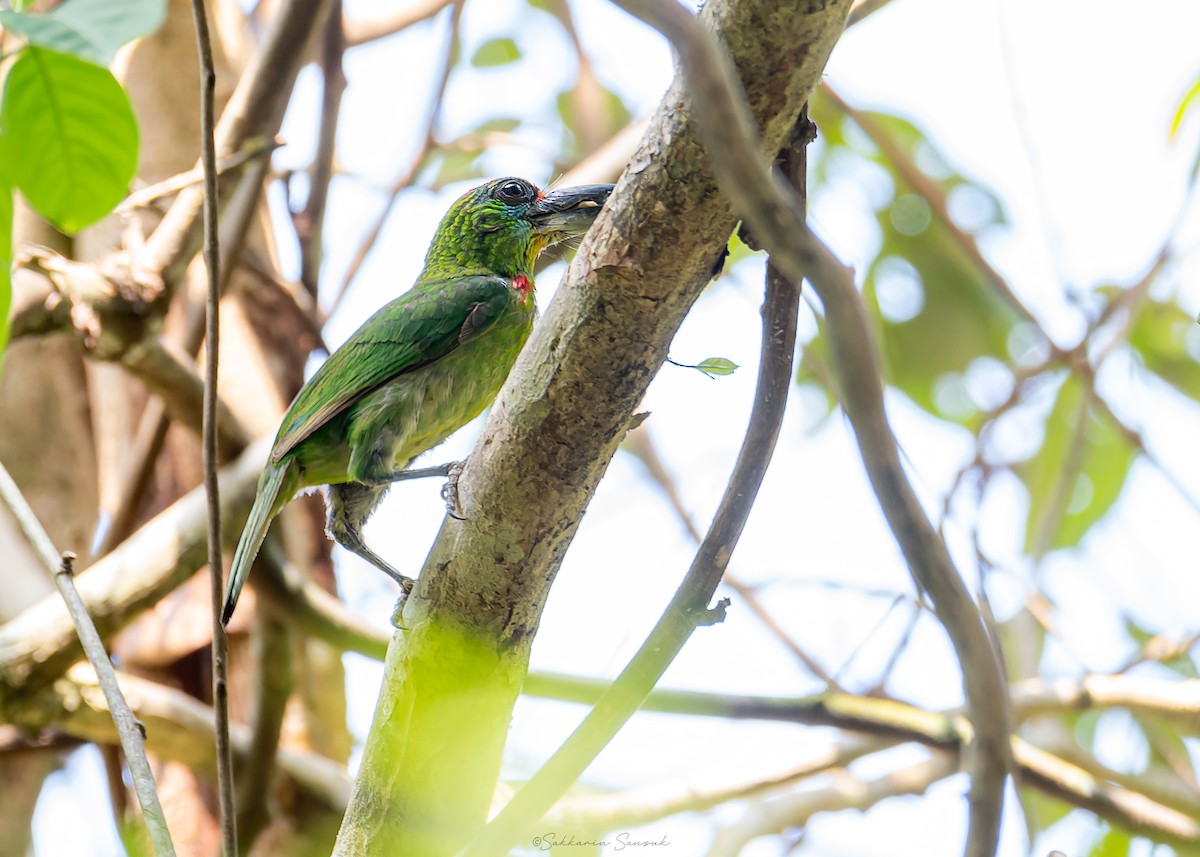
501 227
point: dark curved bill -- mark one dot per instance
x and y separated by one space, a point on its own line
567 212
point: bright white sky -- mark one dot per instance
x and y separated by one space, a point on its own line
1090 186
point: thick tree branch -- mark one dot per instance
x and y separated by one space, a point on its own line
550 437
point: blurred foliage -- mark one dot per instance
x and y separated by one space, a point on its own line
935 310
1076 475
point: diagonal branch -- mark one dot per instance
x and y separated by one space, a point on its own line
130 733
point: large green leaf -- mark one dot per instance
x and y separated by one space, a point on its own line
89 29
70 137
1076 475
1160 336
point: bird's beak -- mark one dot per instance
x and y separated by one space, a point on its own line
567 212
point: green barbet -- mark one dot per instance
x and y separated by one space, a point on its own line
420 368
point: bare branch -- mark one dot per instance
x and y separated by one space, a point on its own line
407 176
180 727
254 110
142 197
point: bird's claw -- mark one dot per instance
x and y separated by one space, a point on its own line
450 490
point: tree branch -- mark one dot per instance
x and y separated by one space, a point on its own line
538 462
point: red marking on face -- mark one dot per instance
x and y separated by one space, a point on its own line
541 195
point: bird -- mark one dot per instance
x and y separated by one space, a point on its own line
420 368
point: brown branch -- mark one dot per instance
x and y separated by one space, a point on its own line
227 813
776 218
180 727
363 32
310 222
273 667
254 148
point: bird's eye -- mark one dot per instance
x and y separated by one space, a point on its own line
514 191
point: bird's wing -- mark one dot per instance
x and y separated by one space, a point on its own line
416 329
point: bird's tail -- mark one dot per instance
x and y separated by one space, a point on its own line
275 488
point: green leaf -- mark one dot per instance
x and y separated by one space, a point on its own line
89 29
498 51
717 366
70 137
711 367
6 211
1160 336
1186 103
1078 473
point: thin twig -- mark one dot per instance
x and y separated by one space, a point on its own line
254 109
776 217
212 263
129 730
310 222
689 608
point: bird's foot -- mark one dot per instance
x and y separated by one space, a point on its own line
450 490
406 587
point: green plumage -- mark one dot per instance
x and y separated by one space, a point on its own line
421 367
